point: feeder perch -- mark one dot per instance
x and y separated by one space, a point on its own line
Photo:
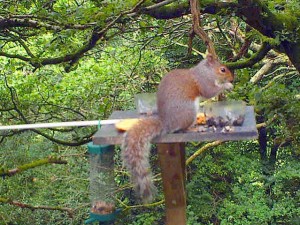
102 184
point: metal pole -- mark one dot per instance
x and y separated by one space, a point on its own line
59 124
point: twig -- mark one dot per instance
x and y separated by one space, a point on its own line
267 67
152 7
127 207
245 47
160 4
198 30
203 149
32 207
190 49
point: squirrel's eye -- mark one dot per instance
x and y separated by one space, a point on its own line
222 69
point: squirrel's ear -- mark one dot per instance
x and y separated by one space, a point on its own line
210 58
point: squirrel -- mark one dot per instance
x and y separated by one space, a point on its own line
177 105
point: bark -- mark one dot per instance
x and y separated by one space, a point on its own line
262 139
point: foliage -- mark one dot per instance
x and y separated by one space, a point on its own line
70 60
52 185
281 102
230 187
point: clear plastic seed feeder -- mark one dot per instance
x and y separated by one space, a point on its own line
102 184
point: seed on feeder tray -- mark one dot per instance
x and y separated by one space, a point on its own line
214 128
227 129
202 129
239 121
222 122
211 121
101 207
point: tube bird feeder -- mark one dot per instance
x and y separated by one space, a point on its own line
102 184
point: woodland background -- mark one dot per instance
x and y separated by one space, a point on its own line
65 60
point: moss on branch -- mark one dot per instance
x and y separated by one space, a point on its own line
37 163
169 11
256 57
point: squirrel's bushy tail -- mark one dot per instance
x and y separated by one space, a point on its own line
135 155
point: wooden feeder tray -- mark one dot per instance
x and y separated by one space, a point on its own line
108 134
171 151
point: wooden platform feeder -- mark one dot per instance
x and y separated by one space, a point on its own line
171 151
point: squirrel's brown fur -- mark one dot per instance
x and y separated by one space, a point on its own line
177 99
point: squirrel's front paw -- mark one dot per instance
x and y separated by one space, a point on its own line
228 86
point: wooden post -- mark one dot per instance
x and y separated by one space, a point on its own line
172 163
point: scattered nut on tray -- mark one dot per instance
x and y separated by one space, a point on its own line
224 121
101 207
125 124
219 121
201 119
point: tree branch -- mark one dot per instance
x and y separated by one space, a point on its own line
16 21
197 29
169 11
203 149
256 57
13 99
158 5
85 140
28 206
37 163
15 56
267 67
